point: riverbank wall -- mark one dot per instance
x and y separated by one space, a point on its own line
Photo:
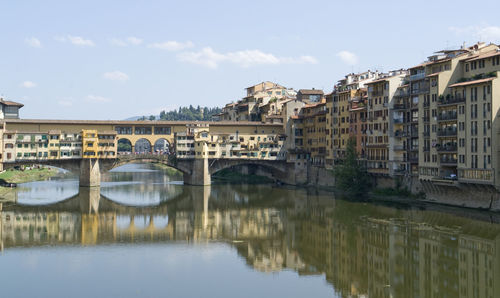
451 193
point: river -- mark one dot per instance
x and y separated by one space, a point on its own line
145 234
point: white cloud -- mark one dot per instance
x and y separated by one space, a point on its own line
97 98
171 45
134 40
483 33
210 58
33 42
115 76
131 40
348 57
28 84
75 40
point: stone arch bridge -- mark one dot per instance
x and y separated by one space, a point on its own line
196 171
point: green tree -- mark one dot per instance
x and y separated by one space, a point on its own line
350 175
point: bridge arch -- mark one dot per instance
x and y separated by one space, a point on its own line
142 146
277 170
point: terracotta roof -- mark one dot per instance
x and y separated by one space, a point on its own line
377 81
471 82
311 92
126 122
11 103
482 56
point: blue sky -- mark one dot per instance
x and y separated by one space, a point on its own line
116 59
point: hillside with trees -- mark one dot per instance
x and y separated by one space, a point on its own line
186 113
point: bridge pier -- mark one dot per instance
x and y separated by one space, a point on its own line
90 173
199 174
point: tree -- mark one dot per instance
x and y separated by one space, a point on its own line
152 117
350 175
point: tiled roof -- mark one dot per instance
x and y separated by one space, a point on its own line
471 82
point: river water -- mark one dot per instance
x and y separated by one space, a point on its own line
144 234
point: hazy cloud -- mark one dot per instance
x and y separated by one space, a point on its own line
33 42
75 40
210 58
115 76
348 57
97 98
28 84
131 40
134 40
484 33
171 45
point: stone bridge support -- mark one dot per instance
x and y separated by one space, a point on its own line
90 173
199 173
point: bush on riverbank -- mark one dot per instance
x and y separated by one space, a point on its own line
22 176
350 176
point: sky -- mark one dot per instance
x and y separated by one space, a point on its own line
117 59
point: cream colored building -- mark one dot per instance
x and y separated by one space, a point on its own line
461 107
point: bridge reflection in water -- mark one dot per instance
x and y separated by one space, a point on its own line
361 249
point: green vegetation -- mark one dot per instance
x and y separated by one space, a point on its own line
169 170
232 176
187 114
19 176
350 175
479 76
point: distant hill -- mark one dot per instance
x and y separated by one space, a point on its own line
183 114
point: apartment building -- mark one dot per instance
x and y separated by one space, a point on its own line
310 134
383 150
349 89
459 130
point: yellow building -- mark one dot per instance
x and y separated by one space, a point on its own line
90 143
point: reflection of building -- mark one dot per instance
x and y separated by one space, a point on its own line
391 253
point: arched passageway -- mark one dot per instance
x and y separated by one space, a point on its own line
162 146
142 146
124 146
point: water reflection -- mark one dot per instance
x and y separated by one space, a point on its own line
361 249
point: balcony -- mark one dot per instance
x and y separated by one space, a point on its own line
399 148
413 159
417 76
414 148
452 147
448 161
398 121
426 104
401 94
450 100
447 132
418 91
450 116
399 106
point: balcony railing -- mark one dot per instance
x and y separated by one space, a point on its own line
417 76
448 161
447 132
399 148
402 94
447 148
450 100
447 116
398 121
421 90
399 106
